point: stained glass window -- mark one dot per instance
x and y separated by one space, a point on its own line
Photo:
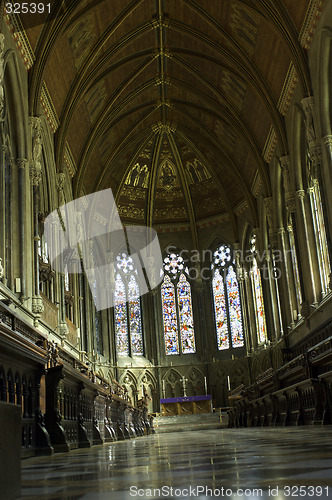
135 324
186 316
235 314
226 300
169 316
121 326
220 311
177 307
258 295
127 308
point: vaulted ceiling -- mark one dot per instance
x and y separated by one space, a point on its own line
176 105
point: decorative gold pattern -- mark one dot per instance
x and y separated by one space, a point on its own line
310 22
256 185
131 211
49 109
270 145
69 161
287 90
21 40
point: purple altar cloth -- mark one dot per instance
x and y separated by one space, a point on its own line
186 398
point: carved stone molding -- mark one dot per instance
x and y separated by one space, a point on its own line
60 187
308 108
62 329
37 304
269 210
1 269
35 172
284 163
2 72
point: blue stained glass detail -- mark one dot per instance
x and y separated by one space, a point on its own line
234 304
186 316
169 316
121 327
135 323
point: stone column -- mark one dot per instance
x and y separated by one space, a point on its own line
2 74
289 281
301 196
22 164
273 283
35 178
252 333
3 150
291 230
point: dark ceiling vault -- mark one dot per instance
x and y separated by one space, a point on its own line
174 104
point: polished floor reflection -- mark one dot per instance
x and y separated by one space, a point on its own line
229 463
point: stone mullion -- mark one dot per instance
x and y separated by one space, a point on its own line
241 280
253 334
275 279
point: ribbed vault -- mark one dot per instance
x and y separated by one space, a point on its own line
174 104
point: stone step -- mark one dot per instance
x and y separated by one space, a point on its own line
181 423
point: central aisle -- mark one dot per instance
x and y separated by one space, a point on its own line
232 459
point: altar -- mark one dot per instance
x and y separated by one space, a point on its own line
186 405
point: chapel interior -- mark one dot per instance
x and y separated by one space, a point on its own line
208 122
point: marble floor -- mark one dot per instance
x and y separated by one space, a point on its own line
251 463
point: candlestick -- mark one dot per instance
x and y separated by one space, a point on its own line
229 382
205 385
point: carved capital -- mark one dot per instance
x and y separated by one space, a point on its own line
300 194
291 204
328 141
273 236
315 152
21 162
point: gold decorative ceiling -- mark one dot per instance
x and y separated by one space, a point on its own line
177 105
